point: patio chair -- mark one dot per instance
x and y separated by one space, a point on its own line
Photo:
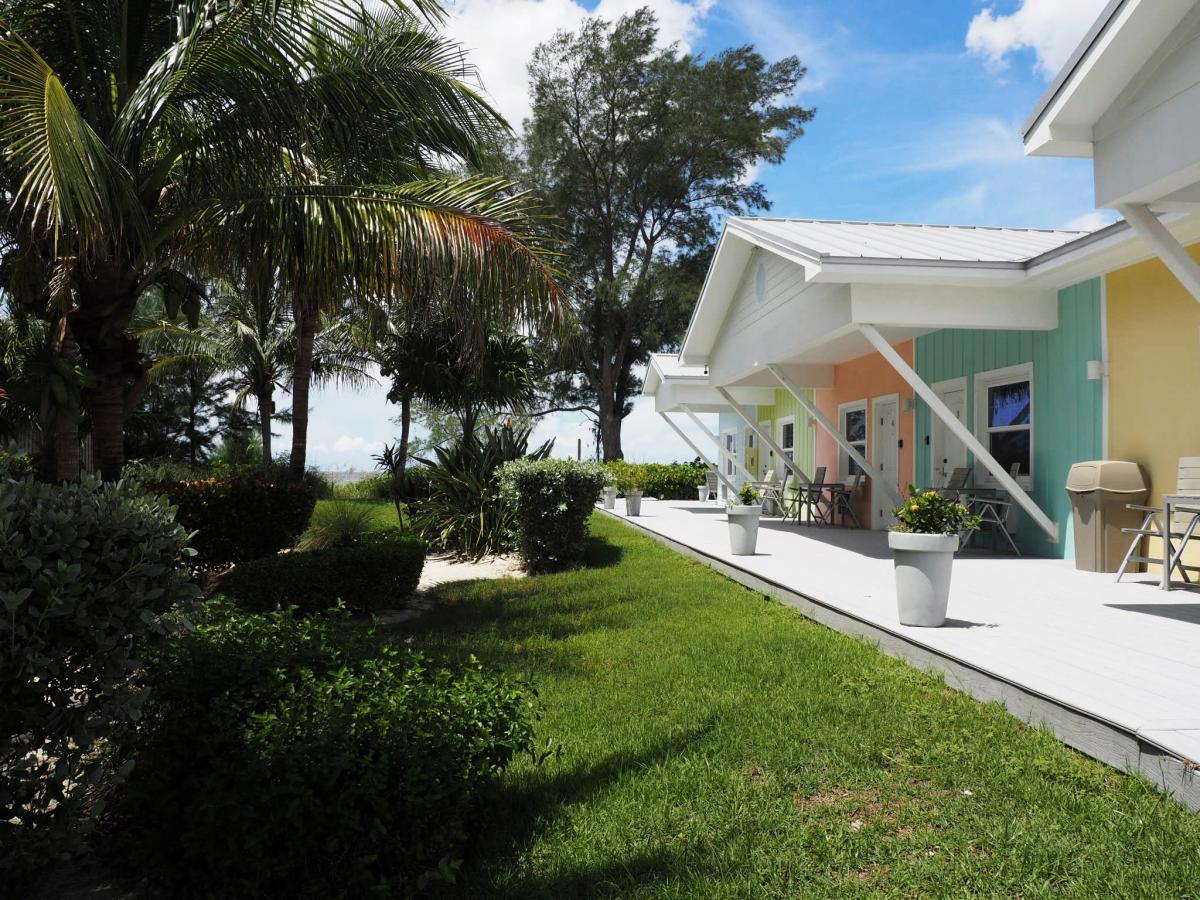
774 492
995 513
813 501
956 483
845 499
711 484
1185 521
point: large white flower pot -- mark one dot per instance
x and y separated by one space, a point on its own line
702 492
743 529
609 497
633 503
923 563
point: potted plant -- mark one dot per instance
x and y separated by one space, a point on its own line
608 493
923 541
744 511
702 492
629 481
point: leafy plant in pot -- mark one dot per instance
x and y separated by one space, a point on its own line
744 510
923 541
629 483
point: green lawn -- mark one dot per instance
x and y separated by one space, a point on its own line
717 744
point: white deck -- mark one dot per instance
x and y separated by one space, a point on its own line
1126 656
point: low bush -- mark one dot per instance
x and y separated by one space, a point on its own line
92 577
377 487
464 513
674 481
371 575
552 500
279 759
240 519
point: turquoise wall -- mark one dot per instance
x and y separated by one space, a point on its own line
1067 408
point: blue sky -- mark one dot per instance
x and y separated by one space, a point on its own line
918 103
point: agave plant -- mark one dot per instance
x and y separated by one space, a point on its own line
464 513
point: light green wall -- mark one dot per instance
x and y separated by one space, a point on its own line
785 405
1067 408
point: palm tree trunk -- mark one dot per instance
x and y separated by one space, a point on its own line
306 327
266 406
66 418
405 423
108 426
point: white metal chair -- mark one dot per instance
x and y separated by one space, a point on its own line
1185 521
774 492
711 484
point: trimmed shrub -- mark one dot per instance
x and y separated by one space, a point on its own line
279 758
240 519
369 576
92 577
676 481
552 500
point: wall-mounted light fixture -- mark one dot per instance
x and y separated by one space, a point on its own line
910 403
1096 369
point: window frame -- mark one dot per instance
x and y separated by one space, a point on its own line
730 469
983 382
790 452
844 474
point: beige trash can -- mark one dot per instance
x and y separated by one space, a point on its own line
1099 491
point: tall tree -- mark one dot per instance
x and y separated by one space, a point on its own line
148 139
639 150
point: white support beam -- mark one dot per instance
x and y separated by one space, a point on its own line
700 453
725 454
960 431
1165 245
765 438
878 479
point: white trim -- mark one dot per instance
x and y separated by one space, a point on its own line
996 378
946 386
731 453
843 473
716 439
893 399
779 423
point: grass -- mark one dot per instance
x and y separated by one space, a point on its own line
712 743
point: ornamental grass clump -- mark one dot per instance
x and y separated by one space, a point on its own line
930 512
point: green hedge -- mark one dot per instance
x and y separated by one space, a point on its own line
552 500
92 577
369 576
287 758
240 519
674 481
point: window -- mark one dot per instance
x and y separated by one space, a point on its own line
785 430
1004 419
731 449
750 440
852 419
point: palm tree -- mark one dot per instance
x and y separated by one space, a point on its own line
248 334
150 141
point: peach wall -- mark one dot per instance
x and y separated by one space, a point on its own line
864 379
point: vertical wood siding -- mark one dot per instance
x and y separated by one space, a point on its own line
1067 408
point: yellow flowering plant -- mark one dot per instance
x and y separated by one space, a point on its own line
929 512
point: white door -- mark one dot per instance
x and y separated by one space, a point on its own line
946 452
885 454
729 442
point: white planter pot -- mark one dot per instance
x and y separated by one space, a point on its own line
923 563
633 503
743 529
609 497
702 493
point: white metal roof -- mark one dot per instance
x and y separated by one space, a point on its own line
821 240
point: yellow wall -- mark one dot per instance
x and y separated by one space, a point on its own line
1154 372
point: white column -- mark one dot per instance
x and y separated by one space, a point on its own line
708 462
961 431
765 438
717 440
878 479
1165 245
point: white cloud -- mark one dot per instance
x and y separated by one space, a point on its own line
500 36
356 445
1050 28
1091 221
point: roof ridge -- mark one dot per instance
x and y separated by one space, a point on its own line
907 224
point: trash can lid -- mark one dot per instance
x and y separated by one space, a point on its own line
1112 475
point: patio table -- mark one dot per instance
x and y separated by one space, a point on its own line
1172 504
816 500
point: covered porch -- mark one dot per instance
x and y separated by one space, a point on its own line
1110 668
